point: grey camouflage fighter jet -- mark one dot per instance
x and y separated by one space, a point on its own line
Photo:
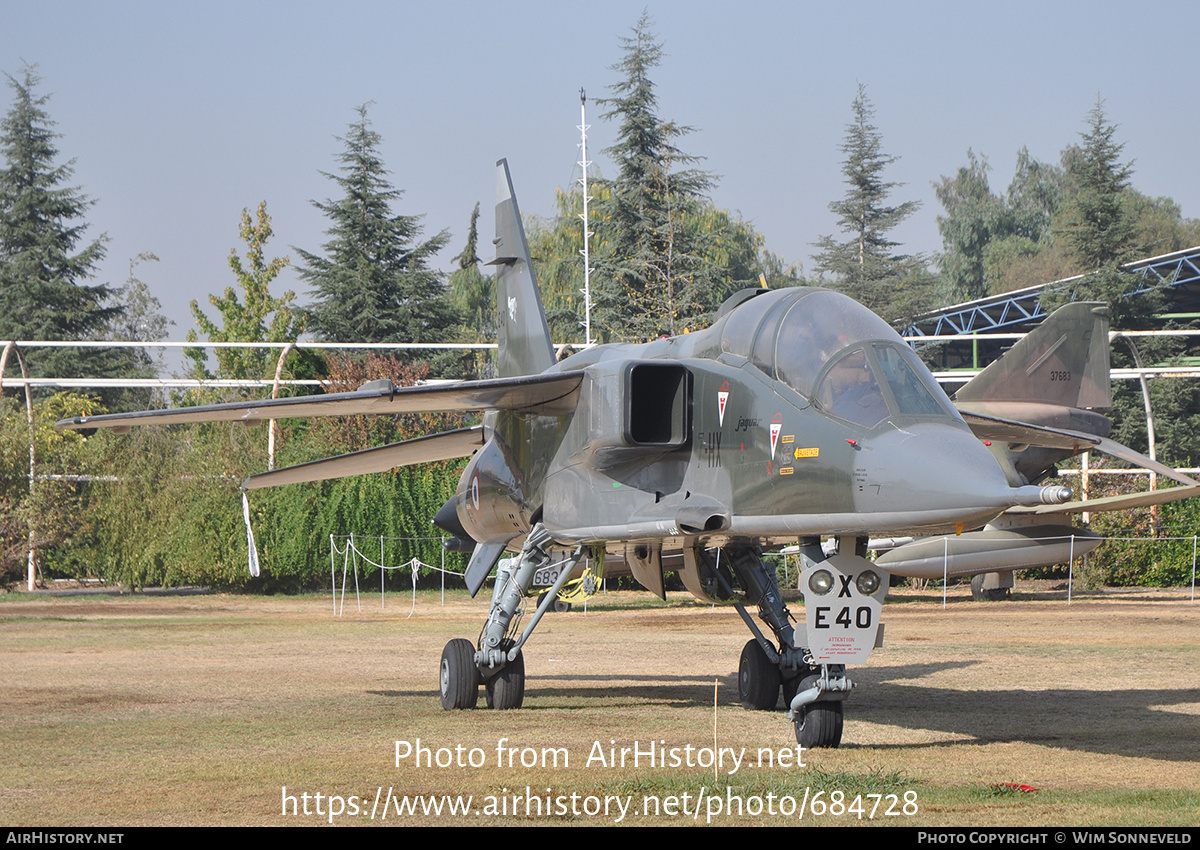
797 415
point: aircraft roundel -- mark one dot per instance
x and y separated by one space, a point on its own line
722 400
475 491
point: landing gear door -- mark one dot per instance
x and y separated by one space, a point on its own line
843 598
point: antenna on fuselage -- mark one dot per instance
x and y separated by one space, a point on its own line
587 265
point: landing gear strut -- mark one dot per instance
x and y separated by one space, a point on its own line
765 665
765 669
498 663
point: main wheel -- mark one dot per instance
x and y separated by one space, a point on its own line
758 679
459 675
819 723
506 689
990 594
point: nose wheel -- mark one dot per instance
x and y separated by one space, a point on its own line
818 724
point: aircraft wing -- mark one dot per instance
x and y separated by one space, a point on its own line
993 428
550 394
445 446
1011 431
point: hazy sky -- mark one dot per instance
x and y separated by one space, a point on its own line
178 116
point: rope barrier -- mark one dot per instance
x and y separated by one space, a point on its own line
349 550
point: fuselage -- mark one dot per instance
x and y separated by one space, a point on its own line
798 412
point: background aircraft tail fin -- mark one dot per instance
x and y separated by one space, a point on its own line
1064 361
525 346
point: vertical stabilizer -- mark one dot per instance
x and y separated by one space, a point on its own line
1064 361
525 346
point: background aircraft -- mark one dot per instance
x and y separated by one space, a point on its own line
1057 377
798 414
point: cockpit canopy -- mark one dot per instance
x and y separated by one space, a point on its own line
835 353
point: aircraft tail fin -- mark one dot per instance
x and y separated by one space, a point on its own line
525 346
1064 361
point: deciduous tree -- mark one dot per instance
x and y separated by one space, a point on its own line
140 320
973 217
248 311
474 294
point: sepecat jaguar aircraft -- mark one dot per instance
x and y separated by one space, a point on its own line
797 415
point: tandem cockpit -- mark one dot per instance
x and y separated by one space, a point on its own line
834 353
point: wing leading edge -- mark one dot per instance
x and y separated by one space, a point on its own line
550 394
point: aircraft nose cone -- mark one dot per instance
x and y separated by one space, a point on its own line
931 468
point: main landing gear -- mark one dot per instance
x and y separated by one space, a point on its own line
498 663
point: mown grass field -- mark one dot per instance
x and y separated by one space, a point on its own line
197 710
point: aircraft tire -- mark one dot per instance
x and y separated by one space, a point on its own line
758 679
459 675
981 594
820 724
506 690
561 607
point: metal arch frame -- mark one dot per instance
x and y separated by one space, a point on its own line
1173 270
1013 309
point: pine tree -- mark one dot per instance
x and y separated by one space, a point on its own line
474 292
657 272
255 316
864 266
373 283
42 266
1096 227
1098 231
474 295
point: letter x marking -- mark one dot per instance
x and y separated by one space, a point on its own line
845 591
